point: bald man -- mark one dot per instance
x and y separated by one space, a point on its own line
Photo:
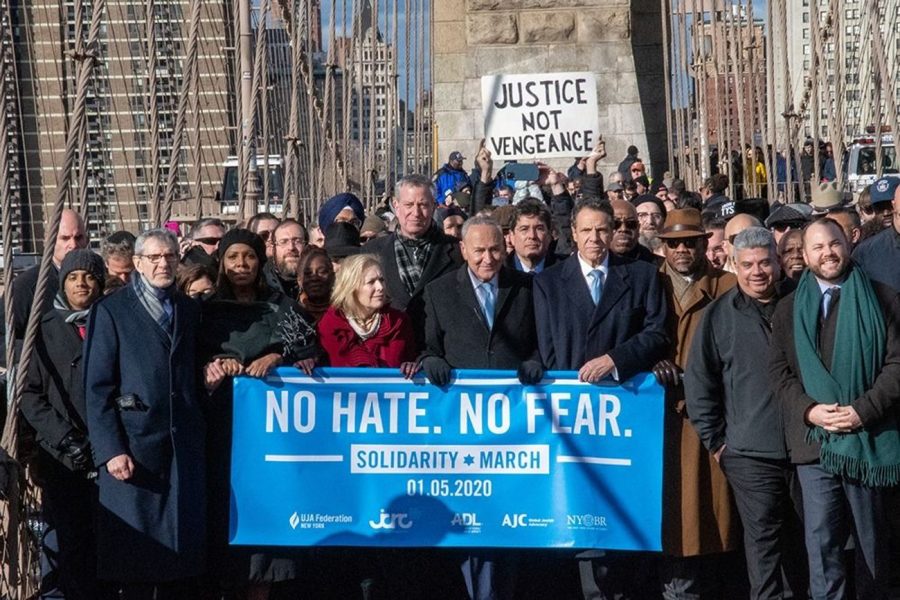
625 233
735 225
71 236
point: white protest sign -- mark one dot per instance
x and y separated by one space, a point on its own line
540 115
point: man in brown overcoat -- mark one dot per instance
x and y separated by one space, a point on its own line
700 521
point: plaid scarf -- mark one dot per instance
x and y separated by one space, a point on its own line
412 255
154 301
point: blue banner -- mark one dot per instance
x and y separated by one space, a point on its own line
363 457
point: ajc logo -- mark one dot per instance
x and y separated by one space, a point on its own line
515 520
391 521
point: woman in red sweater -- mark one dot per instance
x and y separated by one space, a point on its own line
360 329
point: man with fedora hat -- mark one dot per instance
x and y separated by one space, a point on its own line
828 200
879 255
694 537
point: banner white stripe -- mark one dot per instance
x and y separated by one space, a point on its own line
595 460
328 458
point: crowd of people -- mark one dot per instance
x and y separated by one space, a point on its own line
774 331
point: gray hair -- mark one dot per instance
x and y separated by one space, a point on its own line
481 220
754 237
163 235
205 223
415 181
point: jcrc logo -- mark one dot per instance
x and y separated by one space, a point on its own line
388 520
466 520
586 520
512 520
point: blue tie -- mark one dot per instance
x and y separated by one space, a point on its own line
486 299
596 285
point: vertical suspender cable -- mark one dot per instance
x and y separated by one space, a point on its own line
187 78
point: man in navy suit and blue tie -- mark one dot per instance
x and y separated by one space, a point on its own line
603 316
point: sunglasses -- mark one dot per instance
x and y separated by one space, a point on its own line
209 240
689 243
630 224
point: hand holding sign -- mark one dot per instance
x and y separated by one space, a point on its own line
597 154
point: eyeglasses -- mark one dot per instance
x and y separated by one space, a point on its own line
295 241
209 241
689 243
156 258
782 227
630 224
264 234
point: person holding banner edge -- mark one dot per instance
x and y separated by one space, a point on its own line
482 317
249 329
360 329
613 324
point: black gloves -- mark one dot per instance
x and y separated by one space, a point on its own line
437 370
668 374
77 448
530 372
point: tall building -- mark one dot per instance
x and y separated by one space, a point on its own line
731 51
851 43
119 134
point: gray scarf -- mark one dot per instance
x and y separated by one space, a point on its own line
153 299
75 317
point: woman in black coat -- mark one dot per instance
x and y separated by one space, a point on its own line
248 330
53 405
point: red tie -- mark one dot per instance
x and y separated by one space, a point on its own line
82 330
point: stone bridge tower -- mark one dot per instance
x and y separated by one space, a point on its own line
619 40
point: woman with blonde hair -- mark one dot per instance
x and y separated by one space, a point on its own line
360 329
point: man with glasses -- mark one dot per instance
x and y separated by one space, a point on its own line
288 241
147 429
263 224
625 234
204 243
694 537
783 219
651 213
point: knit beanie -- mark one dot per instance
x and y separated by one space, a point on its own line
82 260
243 236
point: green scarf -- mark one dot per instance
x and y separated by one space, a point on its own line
869 456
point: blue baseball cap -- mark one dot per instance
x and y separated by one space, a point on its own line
884 189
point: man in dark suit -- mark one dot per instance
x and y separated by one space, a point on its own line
531 235
482 317
601 315
417 253
597 313
147 429
835 369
